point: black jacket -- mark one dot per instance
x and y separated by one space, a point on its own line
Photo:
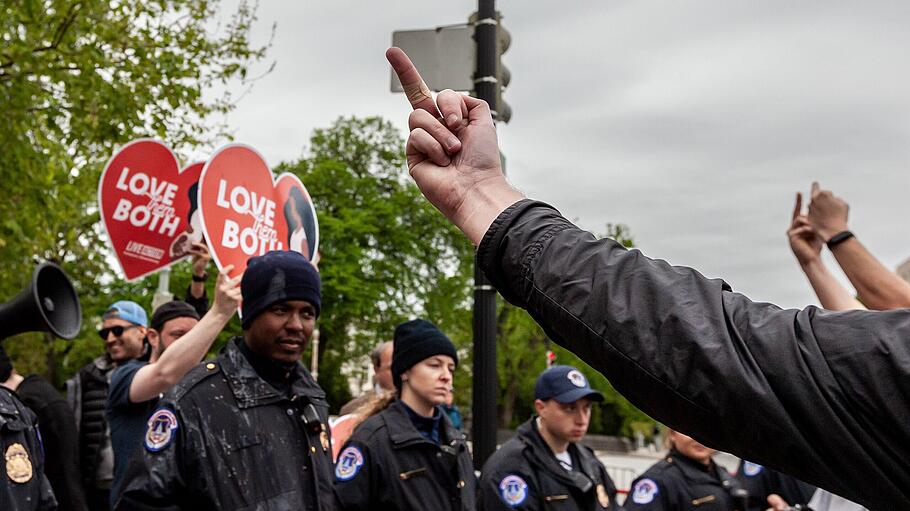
678 483
388 465
822 396
23 485
761 481
87 393
235 443
524 474
61 443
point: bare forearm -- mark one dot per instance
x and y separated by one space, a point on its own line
878 287
831 294
178 359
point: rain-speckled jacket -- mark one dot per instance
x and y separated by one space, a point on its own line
225 439
23 486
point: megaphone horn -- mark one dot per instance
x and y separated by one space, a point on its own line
48 304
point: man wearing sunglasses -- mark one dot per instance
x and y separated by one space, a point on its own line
123 332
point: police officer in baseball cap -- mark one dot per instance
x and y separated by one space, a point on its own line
544 463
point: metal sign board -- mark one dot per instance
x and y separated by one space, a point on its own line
445 56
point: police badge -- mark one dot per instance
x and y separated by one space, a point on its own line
18 466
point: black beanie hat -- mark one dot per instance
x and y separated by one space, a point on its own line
415 341
278 276
171 310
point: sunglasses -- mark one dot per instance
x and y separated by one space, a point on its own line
116 330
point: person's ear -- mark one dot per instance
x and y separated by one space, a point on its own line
153 338
539 406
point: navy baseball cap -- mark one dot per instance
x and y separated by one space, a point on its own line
564 384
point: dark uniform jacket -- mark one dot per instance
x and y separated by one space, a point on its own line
225 439
60 440
24 486
388 465
822 396
678 483
524 474
761 481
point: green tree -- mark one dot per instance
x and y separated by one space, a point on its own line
386 254
77 79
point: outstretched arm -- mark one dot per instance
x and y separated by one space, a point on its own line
186 352
878 287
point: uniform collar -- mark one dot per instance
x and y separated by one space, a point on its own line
583 478
251 390
403 433
695 471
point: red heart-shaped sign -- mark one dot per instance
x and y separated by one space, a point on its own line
246 212
147 204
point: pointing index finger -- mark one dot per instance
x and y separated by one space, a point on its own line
414 87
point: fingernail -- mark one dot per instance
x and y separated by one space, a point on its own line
452 142
452 120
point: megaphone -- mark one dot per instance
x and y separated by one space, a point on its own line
48 304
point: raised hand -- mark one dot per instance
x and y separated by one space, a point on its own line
827 212
452 152
227 292
804 240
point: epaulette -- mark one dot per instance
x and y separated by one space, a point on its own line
196 375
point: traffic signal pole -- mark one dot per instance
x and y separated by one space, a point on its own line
485 380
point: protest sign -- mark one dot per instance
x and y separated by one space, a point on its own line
247 212
147 206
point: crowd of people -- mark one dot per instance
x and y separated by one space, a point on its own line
816 400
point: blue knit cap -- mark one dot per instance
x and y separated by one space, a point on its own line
278 276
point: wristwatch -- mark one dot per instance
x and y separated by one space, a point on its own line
203 278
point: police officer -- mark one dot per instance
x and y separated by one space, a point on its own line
544 465
247 430
409 456
24 486
687 478
762 482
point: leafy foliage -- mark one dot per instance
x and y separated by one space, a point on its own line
78 78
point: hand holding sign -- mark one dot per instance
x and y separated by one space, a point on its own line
246 212
147 204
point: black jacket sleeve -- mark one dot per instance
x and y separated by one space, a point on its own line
201 304
155 479
829 391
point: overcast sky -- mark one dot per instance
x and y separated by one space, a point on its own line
693 122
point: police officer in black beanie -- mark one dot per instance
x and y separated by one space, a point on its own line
247 430
406 454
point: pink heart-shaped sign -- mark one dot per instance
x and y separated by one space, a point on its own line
148 207
246 212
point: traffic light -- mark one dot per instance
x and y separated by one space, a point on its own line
500 76
503 75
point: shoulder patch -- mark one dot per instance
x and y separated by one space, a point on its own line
644 491
751 469
161 427
513 490
349 462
